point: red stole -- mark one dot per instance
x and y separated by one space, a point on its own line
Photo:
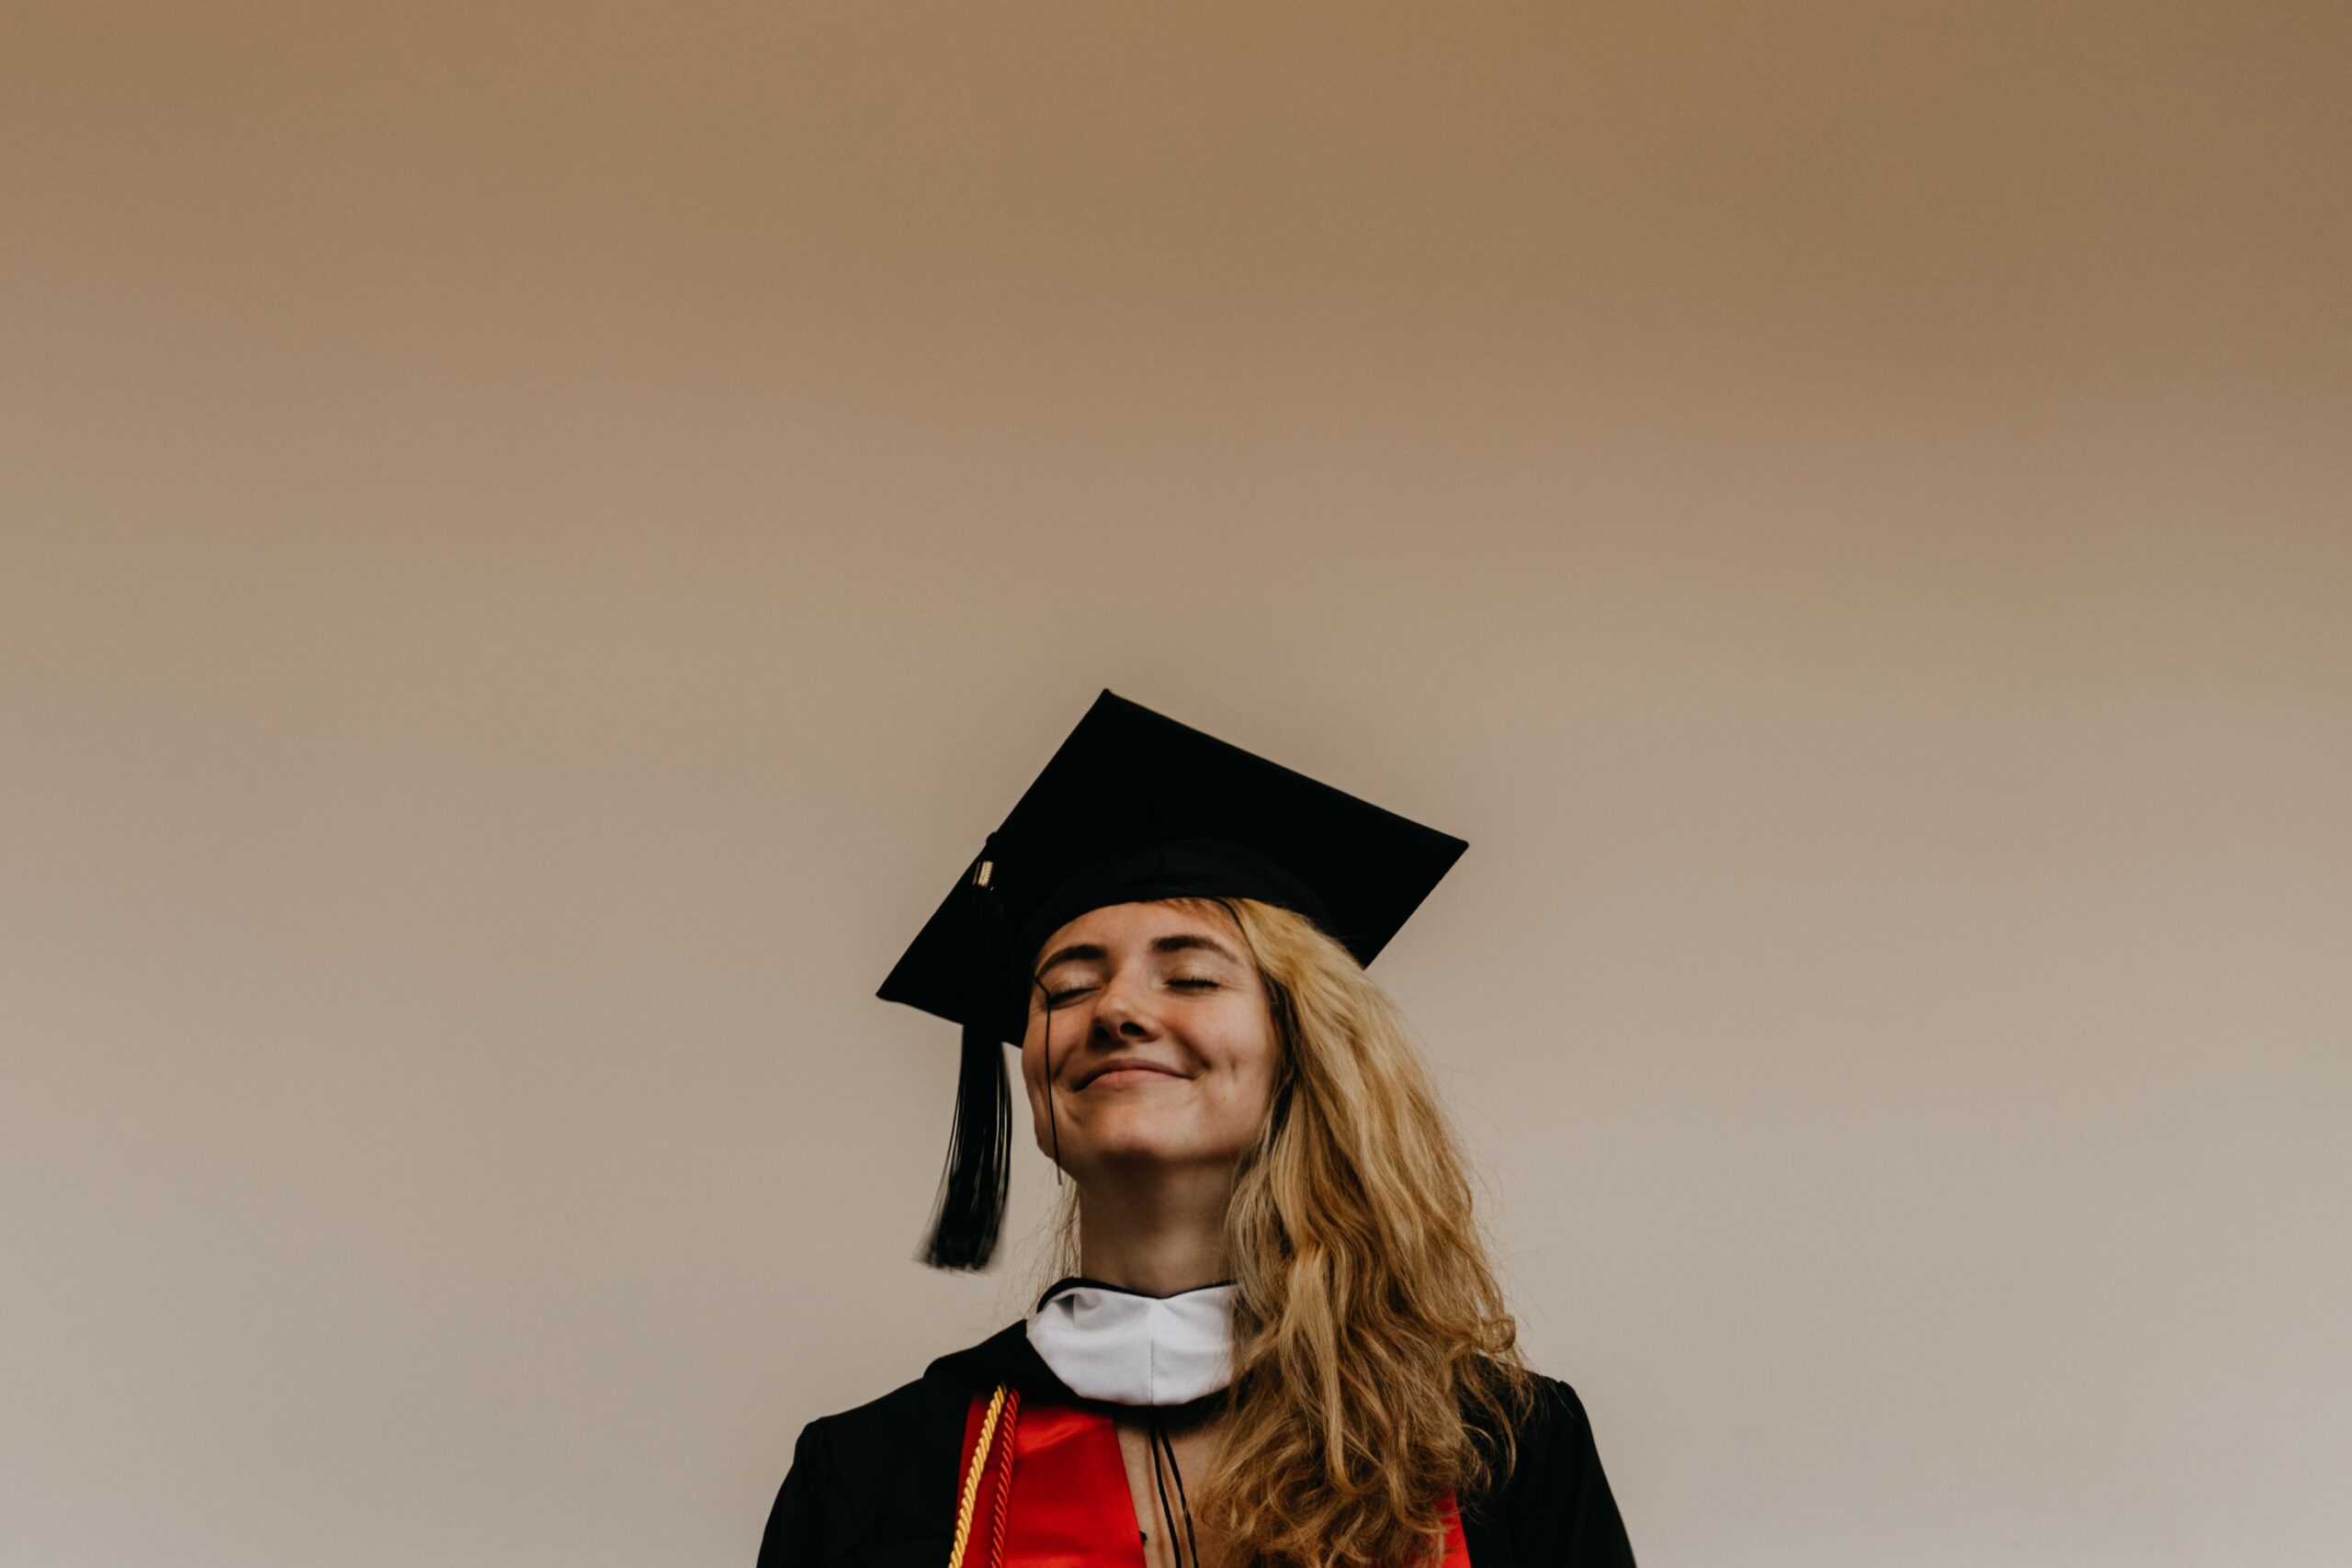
1055 1496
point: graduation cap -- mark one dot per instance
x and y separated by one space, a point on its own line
1134 806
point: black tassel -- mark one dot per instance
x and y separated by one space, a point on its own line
980 1157
972 1189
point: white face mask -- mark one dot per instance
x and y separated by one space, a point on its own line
1125 1349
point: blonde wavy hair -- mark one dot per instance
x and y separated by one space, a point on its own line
1376 1367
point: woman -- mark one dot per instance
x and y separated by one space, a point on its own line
1280 1341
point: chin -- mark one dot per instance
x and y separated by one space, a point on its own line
1139 1146
1129 1131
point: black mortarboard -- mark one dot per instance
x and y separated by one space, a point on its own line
1134 806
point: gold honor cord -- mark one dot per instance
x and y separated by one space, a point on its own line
972 1478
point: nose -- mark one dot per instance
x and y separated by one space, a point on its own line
1123 1011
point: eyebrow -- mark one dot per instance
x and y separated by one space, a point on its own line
1180 941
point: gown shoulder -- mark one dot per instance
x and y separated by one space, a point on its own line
1556 1509
874 1485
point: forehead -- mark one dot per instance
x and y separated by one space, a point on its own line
1121 925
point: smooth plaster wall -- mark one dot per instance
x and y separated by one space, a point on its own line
535 538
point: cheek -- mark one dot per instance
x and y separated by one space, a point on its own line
1252 1060
1059 1029
1033 1057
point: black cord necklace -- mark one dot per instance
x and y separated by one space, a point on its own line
1156 1434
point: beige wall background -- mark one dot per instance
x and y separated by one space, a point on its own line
537 538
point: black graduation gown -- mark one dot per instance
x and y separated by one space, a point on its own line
875 1487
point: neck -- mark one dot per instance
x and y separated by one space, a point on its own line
1156 1230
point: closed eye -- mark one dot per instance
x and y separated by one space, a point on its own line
1185 982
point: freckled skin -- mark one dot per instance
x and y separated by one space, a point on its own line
1199 1014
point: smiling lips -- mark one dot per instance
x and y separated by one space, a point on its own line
1112 1075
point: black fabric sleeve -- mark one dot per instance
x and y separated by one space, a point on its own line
1557 1509
810 1525
875 1487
